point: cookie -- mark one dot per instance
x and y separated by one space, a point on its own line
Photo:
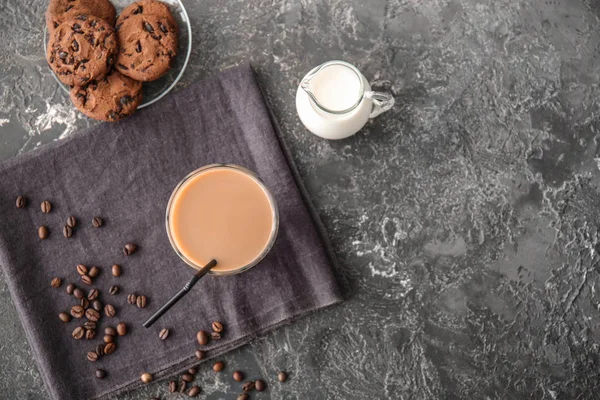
110 99
147 7
59 11
148 43
82 49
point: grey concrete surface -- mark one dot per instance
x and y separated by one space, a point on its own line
465 219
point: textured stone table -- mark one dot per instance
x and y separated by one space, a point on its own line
465 220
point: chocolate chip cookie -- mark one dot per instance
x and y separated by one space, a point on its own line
148 43
59 11
147 7
82 49
110 99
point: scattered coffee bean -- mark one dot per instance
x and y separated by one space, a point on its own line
109 310
248 386
92 314
86 279
109 339
64 317
77 311
100 349
129 249
94 271
78 293
188 377
282 376
217 327
260 385
194 391
109 330
43 232
93 294
200 355
182 386
71 222
202 338
141 301
122 329
172 386
90 334
215 335
70 288
85 303
92 356
78 332
163 334
243 396
113 290
97 222
109 348
21 202
116 270
56 282
100 374
46 206
91 325
238 376
132 298
193 370
67 231
82 269
146 377
218 366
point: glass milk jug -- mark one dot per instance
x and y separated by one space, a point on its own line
335 100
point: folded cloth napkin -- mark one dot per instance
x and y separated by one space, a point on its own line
125 173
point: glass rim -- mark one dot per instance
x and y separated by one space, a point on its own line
272 202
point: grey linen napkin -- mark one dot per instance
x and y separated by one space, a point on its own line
125 172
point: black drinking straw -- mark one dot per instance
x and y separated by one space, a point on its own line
188 286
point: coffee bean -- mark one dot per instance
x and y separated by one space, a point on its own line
78 293
109 330
70 288
92 356
56 282
217 327
172 386
218 366
67 231
146 377
109 310
82 269
116 270
122 329
129 249
182 386
43 232
100 374
109 339
64 317
202 338
21 202
163 334
77 311
243 396
200 355
90 334
85 303
86 279
194 391
188 377
238 376
94 271
193 371
113 290
215 335
92 314
141 301
97 305
132 298
110 348
71 222
100 349
248 386
260 385
93 294
46 206
282 376
97 222
78 332
91 325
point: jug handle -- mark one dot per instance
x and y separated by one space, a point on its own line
381 102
